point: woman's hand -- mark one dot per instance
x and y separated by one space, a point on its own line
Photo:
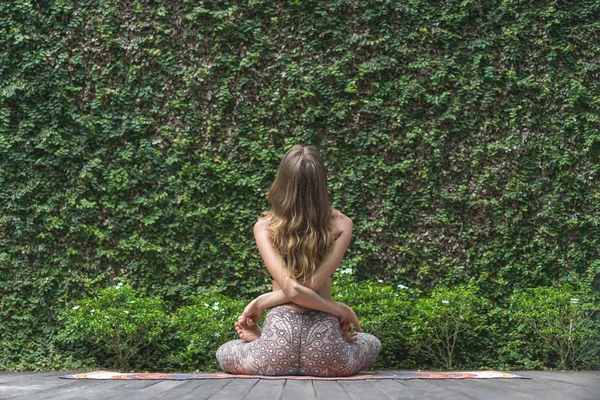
252 313
346 327
347 317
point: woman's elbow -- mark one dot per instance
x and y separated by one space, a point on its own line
292 292
316 284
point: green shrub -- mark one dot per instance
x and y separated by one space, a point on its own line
448 323
516 346
382 310
117 322
560 320
201 327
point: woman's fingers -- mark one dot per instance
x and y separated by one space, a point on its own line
356 323
354 319
348 320
350 337
350 316
346 326
243 319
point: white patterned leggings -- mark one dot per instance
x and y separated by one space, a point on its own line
299 343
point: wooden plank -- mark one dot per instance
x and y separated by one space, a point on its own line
204 391
107 390
301 390
36 381
18 387
589 379
187 388
33 376
79 389
361 390
40 391
530 389
388 390
179 391
326 390
474 390
426 389
559 386
236 389
156 390
266 389
139 384
395 389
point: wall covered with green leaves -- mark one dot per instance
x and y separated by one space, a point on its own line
138 140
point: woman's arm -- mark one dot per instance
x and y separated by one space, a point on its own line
294 291
329 265
256 307
333 260
272 299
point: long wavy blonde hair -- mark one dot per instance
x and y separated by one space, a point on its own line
300 223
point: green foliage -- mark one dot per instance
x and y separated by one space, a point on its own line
201 327
382 311
138 139
117 321
448 322
563 319
452 327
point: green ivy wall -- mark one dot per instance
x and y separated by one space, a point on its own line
138 140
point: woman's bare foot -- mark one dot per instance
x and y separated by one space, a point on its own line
349 337
247 332
346 335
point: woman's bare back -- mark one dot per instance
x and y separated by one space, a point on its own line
325 290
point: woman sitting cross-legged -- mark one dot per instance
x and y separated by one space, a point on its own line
302 241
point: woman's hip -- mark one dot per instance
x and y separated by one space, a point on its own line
301 327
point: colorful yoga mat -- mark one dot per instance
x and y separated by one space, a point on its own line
361 376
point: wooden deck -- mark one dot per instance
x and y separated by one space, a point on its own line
544 385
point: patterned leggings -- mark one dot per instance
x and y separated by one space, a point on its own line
299 343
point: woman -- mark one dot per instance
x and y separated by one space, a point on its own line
302 240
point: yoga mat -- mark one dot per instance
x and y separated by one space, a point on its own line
360 376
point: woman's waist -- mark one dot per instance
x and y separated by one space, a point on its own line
293 307
298 307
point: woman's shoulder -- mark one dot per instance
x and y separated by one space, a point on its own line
263 221
340 221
